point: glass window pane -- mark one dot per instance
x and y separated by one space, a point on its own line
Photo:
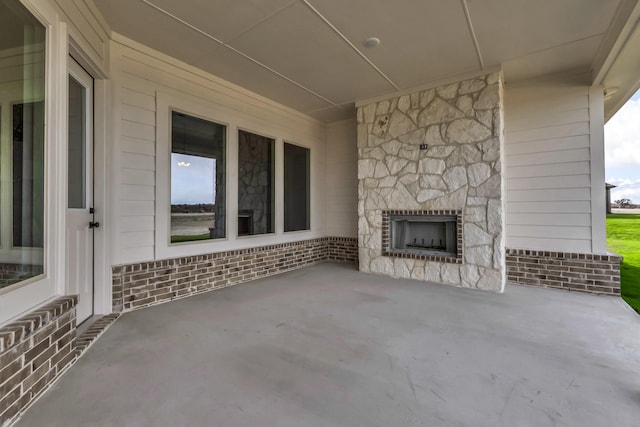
198 185
22 57
77 145
256 201
297 195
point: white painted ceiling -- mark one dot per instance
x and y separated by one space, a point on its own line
309 54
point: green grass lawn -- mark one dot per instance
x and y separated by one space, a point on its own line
623 238
180 239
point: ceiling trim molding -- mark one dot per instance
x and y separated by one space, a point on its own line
344 106
624 21
432 84
97 15
472 32
346 40
238 52
575 76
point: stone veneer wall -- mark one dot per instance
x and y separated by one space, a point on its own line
34 351
150 283
572 271
460 170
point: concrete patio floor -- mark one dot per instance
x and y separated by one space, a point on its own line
329 346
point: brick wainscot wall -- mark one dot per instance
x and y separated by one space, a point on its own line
572 271
34 351
150 283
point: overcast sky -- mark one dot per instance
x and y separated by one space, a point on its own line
192 179
622 151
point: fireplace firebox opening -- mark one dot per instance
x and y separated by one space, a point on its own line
429 235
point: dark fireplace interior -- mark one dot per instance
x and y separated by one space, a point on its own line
245 222
424 234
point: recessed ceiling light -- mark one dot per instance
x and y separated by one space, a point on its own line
371 42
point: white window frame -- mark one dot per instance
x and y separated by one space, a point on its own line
17 299
166 102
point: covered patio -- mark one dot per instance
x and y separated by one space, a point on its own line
329 346
152 151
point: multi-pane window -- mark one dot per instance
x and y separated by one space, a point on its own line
198 179
256 201
22 184
297 194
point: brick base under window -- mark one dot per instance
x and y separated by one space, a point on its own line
573 271
149 283
34 351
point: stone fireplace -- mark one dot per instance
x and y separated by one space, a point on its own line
431 186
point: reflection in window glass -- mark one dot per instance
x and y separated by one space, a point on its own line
76 149
197 179
297 194
256 204
22 59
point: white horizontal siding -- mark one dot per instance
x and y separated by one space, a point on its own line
551 132
552 232
138 146
564 156
138 99
548 167
129 255
560 219
576 207
549 145
137 192
138 115
140 74
531 96
137 176
551 244
342 180
547 195
136 223
548 182
133 129
136 239
558 118
136 208
559 170
138 161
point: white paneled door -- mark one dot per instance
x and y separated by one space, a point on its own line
80 218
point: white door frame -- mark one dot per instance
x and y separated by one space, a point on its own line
79 260
102 288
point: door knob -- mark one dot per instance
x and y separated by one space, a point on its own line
93 224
